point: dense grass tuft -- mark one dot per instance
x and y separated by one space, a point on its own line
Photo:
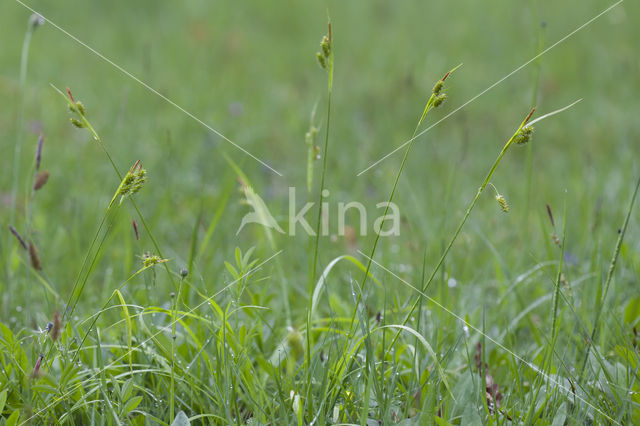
149 295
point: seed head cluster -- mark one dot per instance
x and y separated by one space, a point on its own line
503 203
324 54
524 135
438 92
151 260
132 182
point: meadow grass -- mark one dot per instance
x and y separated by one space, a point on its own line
130 297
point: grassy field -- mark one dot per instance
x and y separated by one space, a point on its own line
130 295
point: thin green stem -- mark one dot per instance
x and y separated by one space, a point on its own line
325 152
323 174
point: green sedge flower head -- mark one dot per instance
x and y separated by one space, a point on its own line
439 100
75 106
524 135
437 88
503 203
151 260
79 124
310 136
324 55
325 45
437 93
132 182
321 60
80 108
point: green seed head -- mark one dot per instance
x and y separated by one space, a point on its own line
148 260
77 122
524 135
503 203
321 60
437 88
326 46
80 107
132 182
439 100
310 136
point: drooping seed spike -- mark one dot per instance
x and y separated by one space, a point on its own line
437 88
34 257
80 107
76 122
40 180
326 46
321 60
57 326
503 203
439 100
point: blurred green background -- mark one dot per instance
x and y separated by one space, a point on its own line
249 70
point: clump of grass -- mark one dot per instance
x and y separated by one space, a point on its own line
225 359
